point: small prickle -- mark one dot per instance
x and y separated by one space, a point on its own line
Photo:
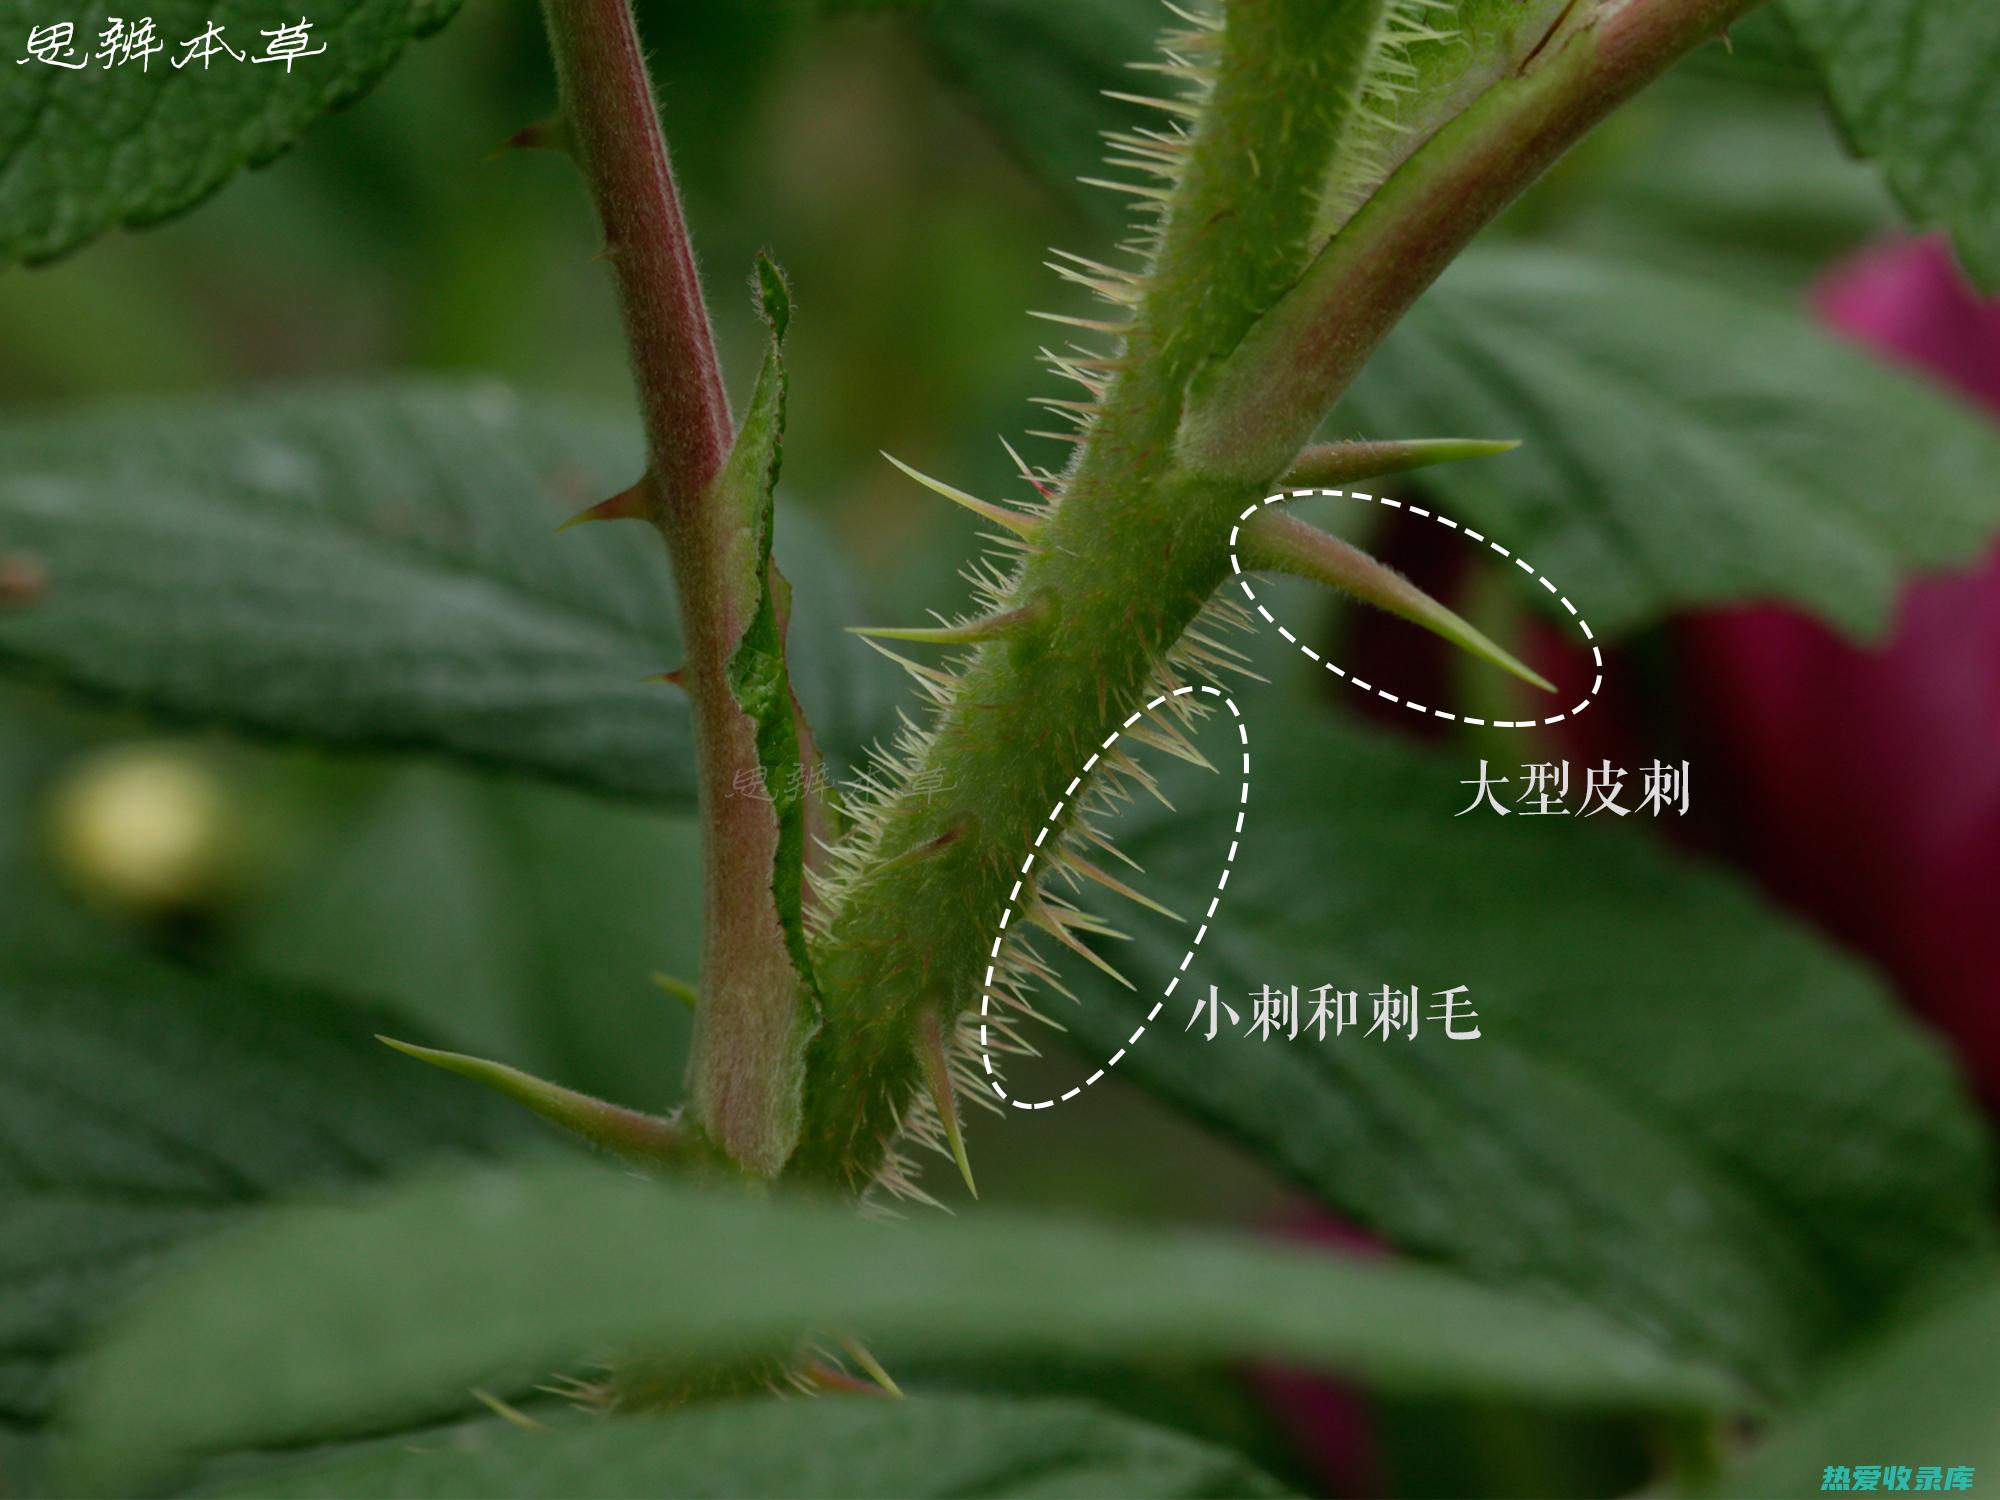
965 632
23 580
937 1073
627 505
680 989
1022 525
552 134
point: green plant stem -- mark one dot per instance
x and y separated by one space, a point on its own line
1225 375
1254 412
748 987
1122 564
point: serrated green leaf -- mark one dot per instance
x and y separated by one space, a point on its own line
325 1319
370 567
1681 1108
84 150
1196 1398
140 1107
1925 1392
1912 85
943 1447
1681 446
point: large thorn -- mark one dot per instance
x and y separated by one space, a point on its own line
1274 542
626 505
1341 463
937 1073
640 1137
1021 525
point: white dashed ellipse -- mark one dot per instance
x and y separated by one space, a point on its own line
1022 881
1049 824
1583 625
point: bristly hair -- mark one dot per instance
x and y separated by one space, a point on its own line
1387 81
1154 153
1146 162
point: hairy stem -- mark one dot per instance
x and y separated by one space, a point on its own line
1115 573
1241 340
743 1082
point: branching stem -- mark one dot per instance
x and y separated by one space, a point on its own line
1244 336
1265 401
1247 332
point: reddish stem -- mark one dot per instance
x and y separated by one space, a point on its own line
614 129
742 1083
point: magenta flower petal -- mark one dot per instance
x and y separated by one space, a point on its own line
1863 786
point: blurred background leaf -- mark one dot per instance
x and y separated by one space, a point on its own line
516 921
1730 1194
1038 70
144 1105
1667 183
931 1447
324 1322
1912 85
1680 446
84 148
1922 1395
372 568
